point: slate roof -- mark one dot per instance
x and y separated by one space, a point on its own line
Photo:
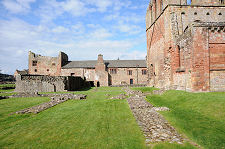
108 63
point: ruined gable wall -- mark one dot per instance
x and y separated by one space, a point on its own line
45 65
122 77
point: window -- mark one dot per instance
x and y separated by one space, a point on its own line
129 72
72 74
35 70
195 13
113 71
53 64
207 13
34 63
179 56
47 69
144 72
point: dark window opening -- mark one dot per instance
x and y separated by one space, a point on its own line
72 74
98 84
188 2
113 71
144 72
35 70
47 69
220 13
178 48
207 13
129 72
53 64
34 63
182 12
195 13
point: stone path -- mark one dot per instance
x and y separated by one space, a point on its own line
153 125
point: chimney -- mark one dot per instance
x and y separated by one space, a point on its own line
100 66
100 58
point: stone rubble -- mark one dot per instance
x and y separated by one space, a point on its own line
121 96
160 109
55 99
153 125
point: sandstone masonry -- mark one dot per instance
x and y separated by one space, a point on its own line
186 44
98 72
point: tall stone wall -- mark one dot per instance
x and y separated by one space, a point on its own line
183 51
38 83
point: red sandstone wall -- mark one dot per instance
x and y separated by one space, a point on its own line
189 68
217 59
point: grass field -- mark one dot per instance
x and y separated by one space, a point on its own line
200 116
6 92
102 123
95 123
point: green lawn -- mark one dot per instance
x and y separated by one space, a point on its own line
200 116
7 92
95 123
101 123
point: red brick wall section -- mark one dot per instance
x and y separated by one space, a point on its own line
200 70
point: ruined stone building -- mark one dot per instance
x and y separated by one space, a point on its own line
186 44
98 72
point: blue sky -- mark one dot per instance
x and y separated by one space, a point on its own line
81 28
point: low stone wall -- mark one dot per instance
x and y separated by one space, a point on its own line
55 100
38 83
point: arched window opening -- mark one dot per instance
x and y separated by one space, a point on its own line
188 2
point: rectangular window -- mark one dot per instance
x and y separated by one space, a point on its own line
113 71
72 74
129 72
34 63
144 72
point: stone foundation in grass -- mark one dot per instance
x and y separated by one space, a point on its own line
55 100
153 124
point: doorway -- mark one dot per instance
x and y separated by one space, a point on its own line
131 81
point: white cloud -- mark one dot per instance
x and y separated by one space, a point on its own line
18 6
76 7
100 33
60 29
128 28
